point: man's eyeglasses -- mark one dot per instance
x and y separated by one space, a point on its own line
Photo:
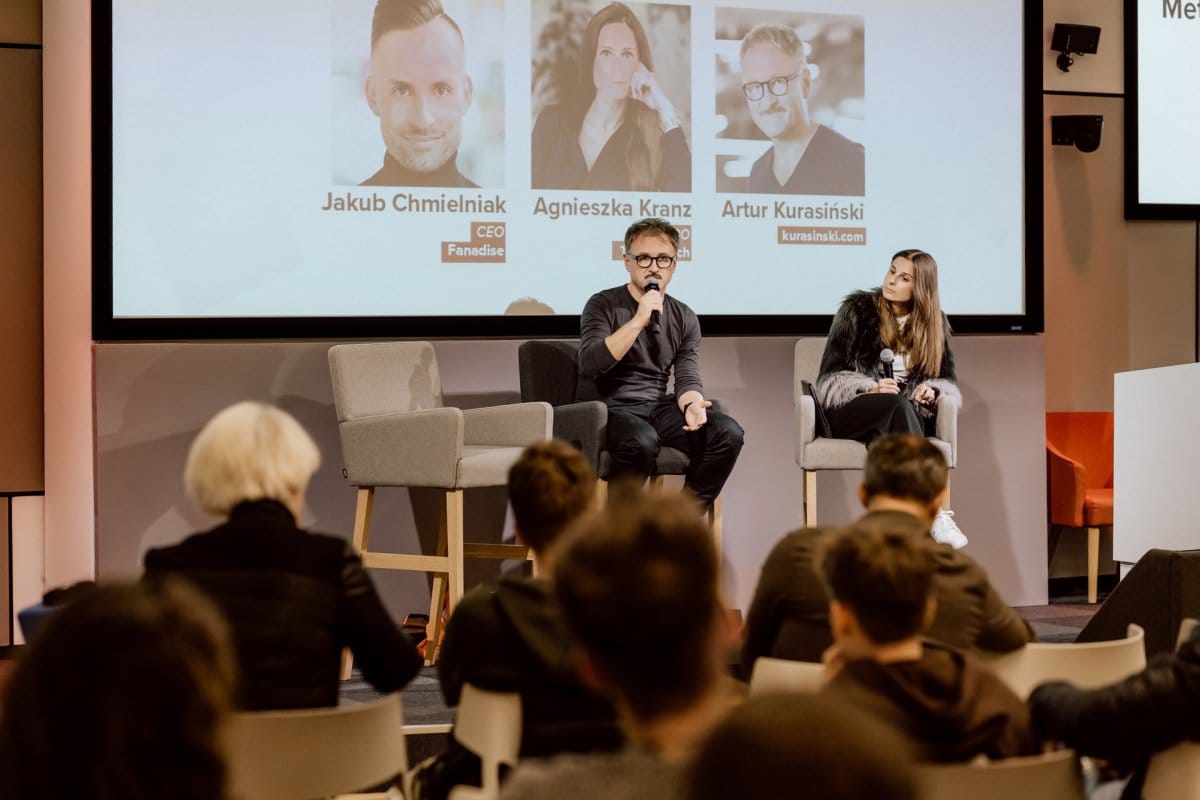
644 261
777 86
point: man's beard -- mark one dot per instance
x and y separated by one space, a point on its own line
426 159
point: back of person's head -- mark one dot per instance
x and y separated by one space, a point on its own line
122 696
637 585
405 15
905 466
801 745
882 572
549 487
249 451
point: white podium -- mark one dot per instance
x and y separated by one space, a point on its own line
1156 461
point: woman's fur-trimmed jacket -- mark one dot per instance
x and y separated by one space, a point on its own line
850 365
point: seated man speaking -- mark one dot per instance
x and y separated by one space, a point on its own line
633 338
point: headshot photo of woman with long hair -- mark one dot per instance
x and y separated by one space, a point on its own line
903 316
608 123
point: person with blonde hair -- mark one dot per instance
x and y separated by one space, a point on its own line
294 599
866 395
123 694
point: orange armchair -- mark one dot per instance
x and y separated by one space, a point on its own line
1079 477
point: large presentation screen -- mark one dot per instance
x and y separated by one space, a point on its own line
1162 115
469 167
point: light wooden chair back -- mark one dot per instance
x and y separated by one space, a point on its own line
1173 773
489 725
1052 776
320 752
1088 665
782 675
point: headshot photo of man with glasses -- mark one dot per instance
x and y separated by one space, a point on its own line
804 110
634 338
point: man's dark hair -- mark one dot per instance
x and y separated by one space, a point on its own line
549 487
775 743
405 15
905 466
651 226
882 570
637 585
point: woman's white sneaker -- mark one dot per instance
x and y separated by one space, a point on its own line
946 531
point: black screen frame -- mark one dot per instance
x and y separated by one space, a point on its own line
108 328
1134 207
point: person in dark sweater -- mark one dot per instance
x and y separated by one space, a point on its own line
615 127
805 157
949 705
511 637
637 585
420 91
904 480
633 339
293 599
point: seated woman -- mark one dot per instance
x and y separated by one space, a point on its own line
294 599
863 396
618 131
123 694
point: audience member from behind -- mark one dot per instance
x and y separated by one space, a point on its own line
510 637
638 588
810 745
904 484
294 599
1128 722
950 706
123 695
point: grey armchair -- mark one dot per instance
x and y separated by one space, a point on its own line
396 432
816 452
549 373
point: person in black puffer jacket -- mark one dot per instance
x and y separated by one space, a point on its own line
293 599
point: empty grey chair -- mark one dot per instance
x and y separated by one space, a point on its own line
815 451
396 432
549 373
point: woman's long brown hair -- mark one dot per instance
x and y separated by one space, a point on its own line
923 338
644 157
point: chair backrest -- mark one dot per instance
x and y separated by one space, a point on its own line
1088 665
549 372
1086 437
1052 776
320 752
782 675
1173 773
489 725
383 378
807 364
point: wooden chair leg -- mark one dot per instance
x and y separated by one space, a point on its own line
363 508
716 521
601 493
453 515
1093 562
437 597
810 498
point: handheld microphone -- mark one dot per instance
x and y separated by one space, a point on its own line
655 324
887 357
